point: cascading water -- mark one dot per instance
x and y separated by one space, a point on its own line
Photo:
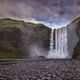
58 43
51 39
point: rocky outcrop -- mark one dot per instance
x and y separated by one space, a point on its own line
74 38
17 38
76 53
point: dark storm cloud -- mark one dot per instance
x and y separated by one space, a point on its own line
66 9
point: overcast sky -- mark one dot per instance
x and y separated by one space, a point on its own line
49 11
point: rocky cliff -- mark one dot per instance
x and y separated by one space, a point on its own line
74 38
19 38
76 53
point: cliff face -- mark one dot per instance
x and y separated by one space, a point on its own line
74 38
18 38
76 53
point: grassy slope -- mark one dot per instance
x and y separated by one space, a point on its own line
14 52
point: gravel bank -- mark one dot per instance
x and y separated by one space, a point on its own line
40 70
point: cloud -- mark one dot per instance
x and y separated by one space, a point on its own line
39 9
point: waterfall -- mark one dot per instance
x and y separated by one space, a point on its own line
51 39
59 38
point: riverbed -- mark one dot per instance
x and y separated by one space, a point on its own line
43 69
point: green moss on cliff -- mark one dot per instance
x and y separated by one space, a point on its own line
15 35
9 55
8 46
76 54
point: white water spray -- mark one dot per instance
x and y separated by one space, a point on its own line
51 39
58 43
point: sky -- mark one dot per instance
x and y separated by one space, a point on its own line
53 13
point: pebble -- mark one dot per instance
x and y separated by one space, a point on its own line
41 70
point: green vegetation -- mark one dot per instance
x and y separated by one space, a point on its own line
9 31
9 55
8 46
14 33
76 54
